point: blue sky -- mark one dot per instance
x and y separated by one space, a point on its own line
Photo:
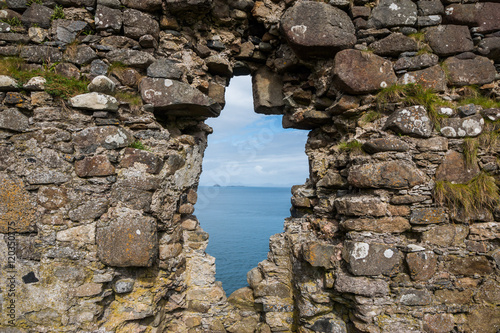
250 149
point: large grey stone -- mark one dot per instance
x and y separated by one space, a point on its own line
391 13
137 24
267 88
391 174
177 98
94 101
67 30
102 84
394 45
82 55
358 72
387 143
463 72
446 40
417 62
109 137
490 47
412 120
372 259
317 29
108 19
131 57
13 120
7 83
482 16
126 238
462 127
37 14
431 78
164 68
41 54
395 224
88 208
360 205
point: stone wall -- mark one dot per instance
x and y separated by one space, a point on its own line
394 231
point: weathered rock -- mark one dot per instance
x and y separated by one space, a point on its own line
482 16
468 110
439 322
454 169
88 290
153 162
492 114
98 67
317 29
484 319
428 216
393 45
462 127
94 166
360 205
137 24
101 84
385 144
416 62
126 238
37 14
412 120
484 231
446 235
177 98
462 72
321 254
83 234
359 72
469 266
46 176
17 212
109 137
413 297
395 224
422 265
131 57
108 19
490 47
52 197
148 5
267 88
219 65
123 286
88 209
7 83
432 78
67 70
329 325
67 30
392 174
13 120
332 179
361 286
391 13
82 55
164 68
446 40
36 83
94 101
194 6
41 54
372 259
453 297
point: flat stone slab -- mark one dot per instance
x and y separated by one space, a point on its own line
372 259
394 45
317 29
94 101
385 144
392 174
391 13
462 127
177 98
109 137
412 120
454 169
361 286
432 78
358 72
12 119
446 40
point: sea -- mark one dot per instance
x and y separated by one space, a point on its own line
239 221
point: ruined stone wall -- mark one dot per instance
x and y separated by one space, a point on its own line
394 231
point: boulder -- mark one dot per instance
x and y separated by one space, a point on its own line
7 83
390 174
37 14
462 127
94 101
482 16
372 259
393 45
267 88
177 98
137 24
392 13
358 72
101 84
41 54
82 55
446 40
463 72
108 19
431 78
412 120
66 31
490 47
126 238
454 169
430 7
109 137
132 156
317 29
219 66
36 83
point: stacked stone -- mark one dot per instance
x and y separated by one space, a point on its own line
104 232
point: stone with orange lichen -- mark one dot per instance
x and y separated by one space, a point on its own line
17 211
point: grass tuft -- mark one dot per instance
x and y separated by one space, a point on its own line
130 98
476 195
138 145
353 146
13 22
58 13
370 116
470 147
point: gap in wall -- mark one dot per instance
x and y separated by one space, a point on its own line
248 169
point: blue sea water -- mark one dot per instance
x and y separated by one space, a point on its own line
240 221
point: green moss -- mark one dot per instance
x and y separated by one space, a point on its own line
353 146
130 98
116 65
476 195
370 116
58 13
30 2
